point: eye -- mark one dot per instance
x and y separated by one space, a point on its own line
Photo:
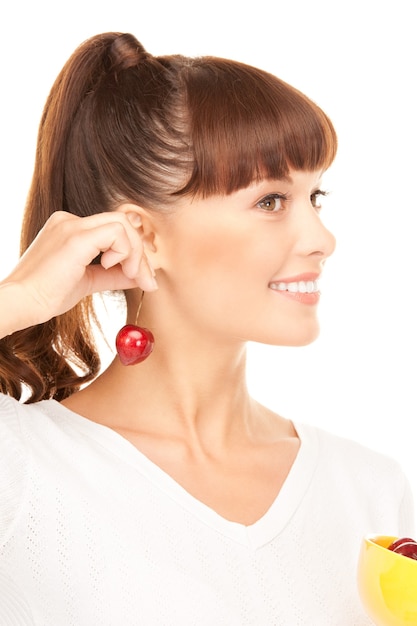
272 203
315 198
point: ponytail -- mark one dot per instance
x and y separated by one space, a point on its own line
52 360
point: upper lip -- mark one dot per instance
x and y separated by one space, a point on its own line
306 276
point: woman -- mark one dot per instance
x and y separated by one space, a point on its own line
162 493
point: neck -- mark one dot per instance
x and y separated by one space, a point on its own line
191 383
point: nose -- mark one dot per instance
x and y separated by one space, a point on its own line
314 239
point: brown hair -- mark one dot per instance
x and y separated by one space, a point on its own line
122 125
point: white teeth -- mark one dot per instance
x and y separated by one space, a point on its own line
302 286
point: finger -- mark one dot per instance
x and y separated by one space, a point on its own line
133 261
125 226
111 235
146 275
118 250
122 253
113 279
109 238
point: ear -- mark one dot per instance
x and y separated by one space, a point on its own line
147 227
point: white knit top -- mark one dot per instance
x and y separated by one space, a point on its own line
92 533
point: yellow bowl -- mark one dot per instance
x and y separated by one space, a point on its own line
387 583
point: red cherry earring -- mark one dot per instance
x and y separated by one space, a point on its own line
134 343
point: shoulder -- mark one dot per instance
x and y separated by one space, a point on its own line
14 414
38 443
353 465
10 410
21 424
373 480
339 450
16 421
13 463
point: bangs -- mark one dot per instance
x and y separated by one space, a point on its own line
246 125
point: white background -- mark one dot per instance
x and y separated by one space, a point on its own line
358 61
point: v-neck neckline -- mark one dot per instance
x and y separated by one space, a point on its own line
253 536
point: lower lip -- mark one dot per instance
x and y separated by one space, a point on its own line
302 298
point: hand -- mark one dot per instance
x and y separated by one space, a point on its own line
55 272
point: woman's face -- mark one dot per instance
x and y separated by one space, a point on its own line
245 266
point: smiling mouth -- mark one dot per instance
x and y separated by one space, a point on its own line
301 286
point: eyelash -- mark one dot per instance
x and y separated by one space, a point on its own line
284 198
315 195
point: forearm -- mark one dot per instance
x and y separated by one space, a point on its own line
16 313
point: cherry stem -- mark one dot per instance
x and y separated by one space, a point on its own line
139 308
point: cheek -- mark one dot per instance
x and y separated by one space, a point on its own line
225 260
206 252
217 279
211 275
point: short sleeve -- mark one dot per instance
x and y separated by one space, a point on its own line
13 465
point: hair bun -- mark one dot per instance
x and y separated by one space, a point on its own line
126 51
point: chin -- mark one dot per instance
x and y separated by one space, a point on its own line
296 338
304 342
